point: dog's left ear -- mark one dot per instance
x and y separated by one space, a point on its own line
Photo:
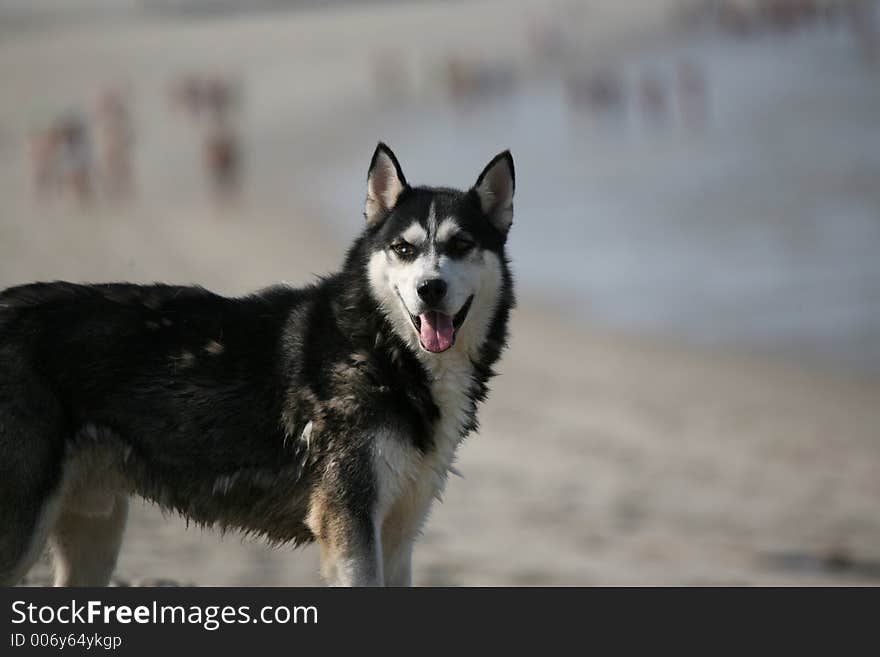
385 184
495 188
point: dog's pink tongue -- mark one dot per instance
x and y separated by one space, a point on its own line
436 332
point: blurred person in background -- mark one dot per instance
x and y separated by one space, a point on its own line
76 158
221 149
44 144
115 141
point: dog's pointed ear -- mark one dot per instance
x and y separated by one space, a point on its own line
495 188
385 184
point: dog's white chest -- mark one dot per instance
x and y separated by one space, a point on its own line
407 473
450 386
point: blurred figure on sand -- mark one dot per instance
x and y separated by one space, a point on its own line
212 104
114 141
61 159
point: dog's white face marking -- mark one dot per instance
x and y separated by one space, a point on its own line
482 274
447 229
415 234
472 280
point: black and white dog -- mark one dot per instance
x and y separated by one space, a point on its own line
329 413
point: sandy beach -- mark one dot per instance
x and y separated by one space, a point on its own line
602 459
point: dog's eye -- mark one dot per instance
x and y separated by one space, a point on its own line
459 245
403 249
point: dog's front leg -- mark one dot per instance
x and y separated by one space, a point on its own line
350 542
351 554
399 532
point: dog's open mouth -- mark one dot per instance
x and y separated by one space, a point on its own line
437 330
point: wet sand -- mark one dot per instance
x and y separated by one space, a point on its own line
602 458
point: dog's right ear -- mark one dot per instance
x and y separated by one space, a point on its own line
385 184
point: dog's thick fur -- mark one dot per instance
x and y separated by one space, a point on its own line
294 414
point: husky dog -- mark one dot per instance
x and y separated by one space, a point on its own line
329 413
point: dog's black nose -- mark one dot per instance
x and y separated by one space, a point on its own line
432 290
